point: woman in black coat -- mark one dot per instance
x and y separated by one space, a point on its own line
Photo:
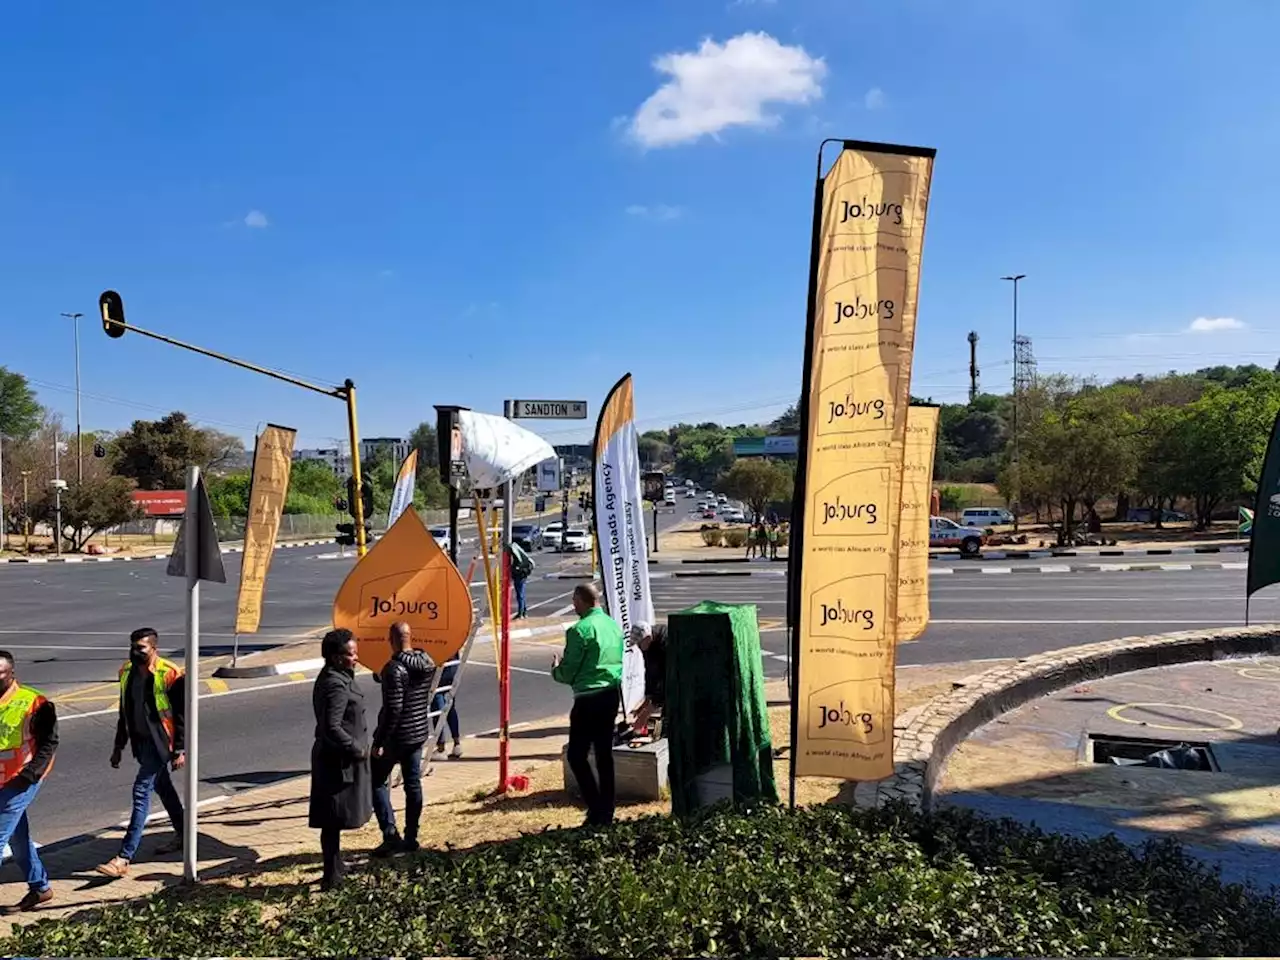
341 787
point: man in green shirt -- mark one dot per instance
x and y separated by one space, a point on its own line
592 667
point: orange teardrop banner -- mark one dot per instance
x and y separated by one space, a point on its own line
405 576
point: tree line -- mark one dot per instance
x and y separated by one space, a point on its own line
154 455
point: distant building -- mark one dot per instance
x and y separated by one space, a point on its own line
392 448
332 457
784 448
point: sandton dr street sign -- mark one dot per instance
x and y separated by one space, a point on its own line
551 410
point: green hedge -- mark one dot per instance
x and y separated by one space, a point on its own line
823 881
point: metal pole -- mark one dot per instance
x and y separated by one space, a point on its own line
1017 459
357 507
453 527
2 526
504 659
75 324
26 515
191 772
655 526
57 497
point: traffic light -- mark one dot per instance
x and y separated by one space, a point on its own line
112 308
340 505
346 534
366 497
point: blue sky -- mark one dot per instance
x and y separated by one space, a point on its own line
457 203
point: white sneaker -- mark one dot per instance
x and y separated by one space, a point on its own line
456 752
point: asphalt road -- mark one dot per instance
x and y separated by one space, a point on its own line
68 627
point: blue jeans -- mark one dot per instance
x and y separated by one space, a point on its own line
153 775
410 762
522 609
437 705
15 830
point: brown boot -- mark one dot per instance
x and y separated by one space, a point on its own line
115 868
33 899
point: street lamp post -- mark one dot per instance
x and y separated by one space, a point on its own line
75 323
1017 460
26 515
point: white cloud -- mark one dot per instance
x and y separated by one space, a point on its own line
1214 324
661 211
874 99
725 85
256 219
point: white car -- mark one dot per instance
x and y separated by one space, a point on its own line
945 533
441 536
551 535
734 516
722 499
690 494
669 500
577 541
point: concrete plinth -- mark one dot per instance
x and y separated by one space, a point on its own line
640 773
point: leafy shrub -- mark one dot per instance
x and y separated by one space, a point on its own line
784 537
711 536
950 498
826 881
735 538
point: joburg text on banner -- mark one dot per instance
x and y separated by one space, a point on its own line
405 576
619 528
272 460
869 217
913 532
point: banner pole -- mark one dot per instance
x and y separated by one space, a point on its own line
504 681
795 551
191 772
490 588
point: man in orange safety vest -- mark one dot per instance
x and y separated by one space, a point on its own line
151 721
28 740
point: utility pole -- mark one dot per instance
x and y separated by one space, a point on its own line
57 494
1017 460
973 365
111 306
26 515
75 323
2 526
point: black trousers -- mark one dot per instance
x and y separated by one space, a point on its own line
591 725
331 854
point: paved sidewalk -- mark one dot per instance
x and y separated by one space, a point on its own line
256 828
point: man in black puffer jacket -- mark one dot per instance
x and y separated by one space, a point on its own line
403 725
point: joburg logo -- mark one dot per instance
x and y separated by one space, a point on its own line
851 711
852 505
381 606
866 209
840 715
851 608
858 310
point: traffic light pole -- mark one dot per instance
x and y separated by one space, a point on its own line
113 322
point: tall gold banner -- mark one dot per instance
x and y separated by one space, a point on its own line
869 218
272 460
913 537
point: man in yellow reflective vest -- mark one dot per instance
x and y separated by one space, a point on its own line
151 721
28 740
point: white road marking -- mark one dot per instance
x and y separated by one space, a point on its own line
1157 621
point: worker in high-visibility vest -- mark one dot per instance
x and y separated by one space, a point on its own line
151 721
28 740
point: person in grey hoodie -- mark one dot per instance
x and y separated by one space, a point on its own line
403 725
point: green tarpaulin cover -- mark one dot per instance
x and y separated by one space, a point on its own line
715 710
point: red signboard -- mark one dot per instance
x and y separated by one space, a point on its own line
161 503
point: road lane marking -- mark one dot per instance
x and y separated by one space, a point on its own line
1220 622
217 685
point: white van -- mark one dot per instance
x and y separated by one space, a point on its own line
985 517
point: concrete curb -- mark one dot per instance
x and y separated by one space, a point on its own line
307 666
967 571
1045 554
925 736
111 558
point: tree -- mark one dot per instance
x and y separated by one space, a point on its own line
88 508
1220 442
653 452
703 455
156 453
757 483
426 442
20 414
787 422
229 493
1081 447
33 457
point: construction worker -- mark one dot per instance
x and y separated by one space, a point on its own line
152 721
28 740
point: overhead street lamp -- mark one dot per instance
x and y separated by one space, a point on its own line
75 323
1017 460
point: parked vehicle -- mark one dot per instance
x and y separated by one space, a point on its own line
441 536
734 516
947 534
528 535
1147 515
551 535
984 517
